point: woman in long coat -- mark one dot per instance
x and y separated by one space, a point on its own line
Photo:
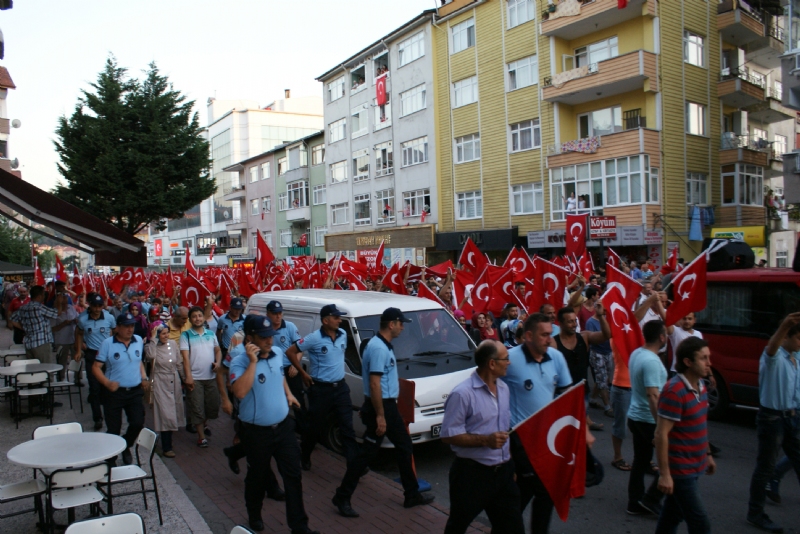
167 374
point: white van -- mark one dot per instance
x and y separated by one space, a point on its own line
433 351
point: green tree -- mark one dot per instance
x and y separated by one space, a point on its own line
132 152
46 260
15 245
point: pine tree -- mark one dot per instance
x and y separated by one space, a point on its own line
132 153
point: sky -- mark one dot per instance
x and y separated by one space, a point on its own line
230 49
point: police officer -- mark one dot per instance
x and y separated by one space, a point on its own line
95 325
124 381
381 416
327 390
267 430
286 335
229 324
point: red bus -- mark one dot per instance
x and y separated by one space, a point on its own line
745 307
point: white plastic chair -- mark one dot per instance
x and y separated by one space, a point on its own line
57 430
27 361
67 387
134 472
23 490
24 391
239 529
70 488
112 524
17 346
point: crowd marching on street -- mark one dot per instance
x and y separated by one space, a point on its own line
542 329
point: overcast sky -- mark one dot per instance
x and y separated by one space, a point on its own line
231 49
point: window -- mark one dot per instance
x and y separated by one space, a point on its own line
381 64
318 155
415 151
519 12
283 202
743 184
254 207
759 135
298 194
525 135
468 148
255 242
361 210
383 114
268 239
596 52
695 118
266 204
523 72
283 165
361 165
600 122
319 235
265 171
412 100
527 198
384 160
693 49
319 196
338 172
358 77
470 205
286 238
384 206
336 89
463 36
339 214
253 174
337 130
696 188
779 146
465 92
359 121
415 202
411 49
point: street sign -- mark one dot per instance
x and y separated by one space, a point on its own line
602 227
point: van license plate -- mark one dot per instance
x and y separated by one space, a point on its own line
436 430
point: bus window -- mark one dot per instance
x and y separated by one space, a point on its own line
729 307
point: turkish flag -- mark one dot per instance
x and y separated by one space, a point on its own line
264 255
672 262
77 286
481 293
440 269
501 281
630 288
394 280
211 253
689 289
38 277
576 234
613 259
550 283
424 292
303 242
558 455
625 330
379 258
463 285
380 90
471 258
61 273
347 266
193 292
169 283
190 268
521 263
585 265
355 283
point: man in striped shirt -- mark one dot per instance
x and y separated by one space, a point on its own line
681 440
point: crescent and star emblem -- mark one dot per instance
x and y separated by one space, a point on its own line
614 307
469 259
478 291
580 229
557 427
693 278
507 291
555 282
196 293
618 286
468 291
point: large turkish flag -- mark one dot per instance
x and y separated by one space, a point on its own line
689 287
576 235
193 292
630 288
625 330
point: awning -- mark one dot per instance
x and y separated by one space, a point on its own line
109 244
7 268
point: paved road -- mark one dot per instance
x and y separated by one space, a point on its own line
603 509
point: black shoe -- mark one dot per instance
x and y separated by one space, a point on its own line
763 522
306 464
714 449
418 500
207 431
232 462
344 507
277 495
637 509
256 525
190 428
654 507
773 493
127 457
58 404
98 425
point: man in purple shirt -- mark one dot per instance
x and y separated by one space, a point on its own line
477 420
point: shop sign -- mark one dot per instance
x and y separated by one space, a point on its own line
159 247
632 236
752 235
602 227
654 253
411 236
653 237
625 236
501 239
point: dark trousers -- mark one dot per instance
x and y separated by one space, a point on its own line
643 434
237 452
684 505
95 388
531 487
323 399
295 384
261 444
129 400
19 336
166 440
475 487
397 434
775 432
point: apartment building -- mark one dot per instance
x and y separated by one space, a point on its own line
379 102
6 83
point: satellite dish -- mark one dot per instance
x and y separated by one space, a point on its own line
16 123
14 163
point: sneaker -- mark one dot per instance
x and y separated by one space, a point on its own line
636 509
418 500
763 522
772 491
127 457
654 507
202 443
169 454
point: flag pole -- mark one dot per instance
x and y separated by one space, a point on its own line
515 427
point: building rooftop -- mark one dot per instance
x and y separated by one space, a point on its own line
5 79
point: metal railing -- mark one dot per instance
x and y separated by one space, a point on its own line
778 33
299 251
777 155
233 189
732 140
384 171
235 220
775 93
593 68
743 74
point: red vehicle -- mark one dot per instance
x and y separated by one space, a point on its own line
745 307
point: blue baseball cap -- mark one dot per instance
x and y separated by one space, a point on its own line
237 304
258 325
274 307
125 319
330 309
96 300
393 314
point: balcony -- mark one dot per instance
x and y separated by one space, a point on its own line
739 23
384 170
236 223
233 192
771 110
738 88
298 251
736 148
621 74
302 213
576 18
237 251
615 145
767 50
4 126
775 168
299 173
206 251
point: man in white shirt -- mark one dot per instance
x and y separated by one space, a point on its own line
685 329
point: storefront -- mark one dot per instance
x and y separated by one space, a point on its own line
495 243
632 243
400 244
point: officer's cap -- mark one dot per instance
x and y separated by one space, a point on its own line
258 325
330 309
96 300
393 314
125 319
236 304
274 307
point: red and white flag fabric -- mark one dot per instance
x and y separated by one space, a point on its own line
502 282
193 292
463 285
191 270
689 290
481 293
440 269
630 288
424 292
354 282
347 266
393 279
61 273
264 255
379 258
613 258
625 330
548 286
211 253
77 283
520 263
672 262
169 283
471 258
575 243
585 265
38 277
380 91
558 455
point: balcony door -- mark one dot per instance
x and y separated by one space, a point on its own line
600 122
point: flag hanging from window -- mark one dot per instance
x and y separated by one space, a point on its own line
380 90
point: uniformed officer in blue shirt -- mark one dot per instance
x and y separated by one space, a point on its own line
286 335
327 390
95 325
229 324
267 430
124 381
381 416
535 374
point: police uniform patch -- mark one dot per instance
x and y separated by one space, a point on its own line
102 330
341 346
529 384
137 353
116 355
324 350
262 378
283 339
391 362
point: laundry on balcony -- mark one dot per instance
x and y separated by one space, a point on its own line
563 77
567 8
587 145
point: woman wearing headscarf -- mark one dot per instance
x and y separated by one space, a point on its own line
141 328
167 375
482 328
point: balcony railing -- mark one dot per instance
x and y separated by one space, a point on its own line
235 220
384 171
299 251
777 155
743 74
731 5
233 189
775 93
777 32
563 77
206 251
731 140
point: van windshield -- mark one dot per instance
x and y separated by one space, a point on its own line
433 343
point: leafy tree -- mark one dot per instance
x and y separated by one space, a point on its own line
132 152
15 245
46 260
